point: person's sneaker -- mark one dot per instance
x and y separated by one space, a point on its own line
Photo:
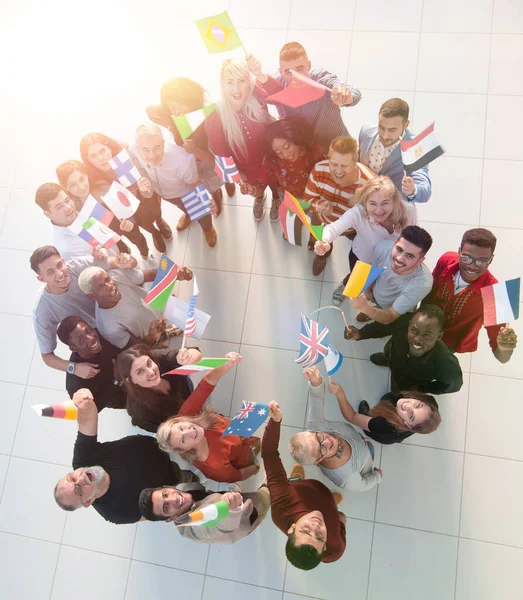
258 208
149 262
337 295
217 196
165 230
379 359
297 471
362 318
274 209
337 498
318 265
183 223
210 237
363 407
230 189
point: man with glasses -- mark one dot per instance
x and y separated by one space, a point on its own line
458 279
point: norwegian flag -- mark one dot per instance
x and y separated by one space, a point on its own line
226 169
190 323
314 342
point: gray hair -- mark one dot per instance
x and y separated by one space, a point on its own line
300 449
68 507
85 280
148 129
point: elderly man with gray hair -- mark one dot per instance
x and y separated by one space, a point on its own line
172 172
337 448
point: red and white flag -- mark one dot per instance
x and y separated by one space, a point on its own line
121 201
421 150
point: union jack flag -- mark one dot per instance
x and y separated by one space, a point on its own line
247 407
314 342
226 169
190 323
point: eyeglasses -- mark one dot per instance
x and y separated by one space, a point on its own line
323 449
479 262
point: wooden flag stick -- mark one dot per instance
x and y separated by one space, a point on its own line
183 341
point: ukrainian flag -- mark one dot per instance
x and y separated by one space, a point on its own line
363 275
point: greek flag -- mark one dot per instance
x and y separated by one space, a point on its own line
197 202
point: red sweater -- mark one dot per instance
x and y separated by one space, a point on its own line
464 311
226 455
290 501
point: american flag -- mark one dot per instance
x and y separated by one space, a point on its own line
313 342
226 169
197 202
190 323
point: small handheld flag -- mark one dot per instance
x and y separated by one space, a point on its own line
176 312
99 234
189 123
208 516
291 223
313 342
124 168
333 361
190 323
203 365
226 169
501 302
248 419
121 201
294 205
88 222
301 90
421 150
362 276
163 284
67 410
218 33
197 202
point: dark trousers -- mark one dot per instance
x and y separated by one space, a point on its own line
379 330
205 222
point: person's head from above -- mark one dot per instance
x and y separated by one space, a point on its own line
476 253
138 368
293 57
306 541
81 487
164 503
381 201
412 411
288 139
410 249
237 84
313 447
150 143
97 149
425 329
81 338
56 204
50 268
99 286
393 120
181 95
343 159
72 175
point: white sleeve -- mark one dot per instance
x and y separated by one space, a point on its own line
349 220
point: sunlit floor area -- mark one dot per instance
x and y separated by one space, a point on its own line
447 521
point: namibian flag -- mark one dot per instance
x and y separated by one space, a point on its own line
226 169
204 365
500 302
189 123
296 206
163 284
421 150
360 278
218 33
67 410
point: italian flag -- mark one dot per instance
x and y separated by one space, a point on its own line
187 124
204 365
421 150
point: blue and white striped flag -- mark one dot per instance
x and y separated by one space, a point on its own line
333 361
197 202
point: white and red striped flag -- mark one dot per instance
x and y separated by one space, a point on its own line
421 150
190 324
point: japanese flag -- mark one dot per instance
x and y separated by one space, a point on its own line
121 201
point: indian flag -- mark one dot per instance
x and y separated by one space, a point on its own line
204 365
500 302
421 150
189 123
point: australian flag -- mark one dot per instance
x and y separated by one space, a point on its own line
314 342
197 202
248 419
226 169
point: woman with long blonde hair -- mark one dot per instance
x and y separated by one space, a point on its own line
237 127
379 214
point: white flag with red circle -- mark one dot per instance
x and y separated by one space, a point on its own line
121 201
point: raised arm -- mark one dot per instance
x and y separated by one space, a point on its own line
315 414
214 375
87 412
346 409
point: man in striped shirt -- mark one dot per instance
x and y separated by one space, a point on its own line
332 185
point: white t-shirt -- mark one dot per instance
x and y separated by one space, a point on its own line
68 243
459 283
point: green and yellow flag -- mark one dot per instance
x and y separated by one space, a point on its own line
218 33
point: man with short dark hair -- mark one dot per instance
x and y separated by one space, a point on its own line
380 150
305 510
417 358
110 476
458 279
168 503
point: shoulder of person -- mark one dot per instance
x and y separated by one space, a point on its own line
77 264
368 129
383 249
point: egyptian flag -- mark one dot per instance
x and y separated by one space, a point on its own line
421 150
291 225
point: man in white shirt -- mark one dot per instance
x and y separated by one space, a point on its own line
172 172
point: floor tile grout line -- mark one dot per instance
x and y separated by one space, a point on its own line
130 560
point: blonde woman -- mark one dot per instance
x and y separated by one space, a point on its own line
379 214
237 128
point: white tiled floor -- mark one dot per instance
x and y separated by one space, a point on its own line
446 522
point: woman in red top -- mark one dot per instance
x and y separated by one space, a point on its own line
195 435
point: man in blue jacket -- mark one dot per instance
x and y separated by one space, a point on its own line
380 151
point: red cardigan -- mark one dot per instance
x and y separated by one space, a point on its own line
226 455
464 311
290 501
